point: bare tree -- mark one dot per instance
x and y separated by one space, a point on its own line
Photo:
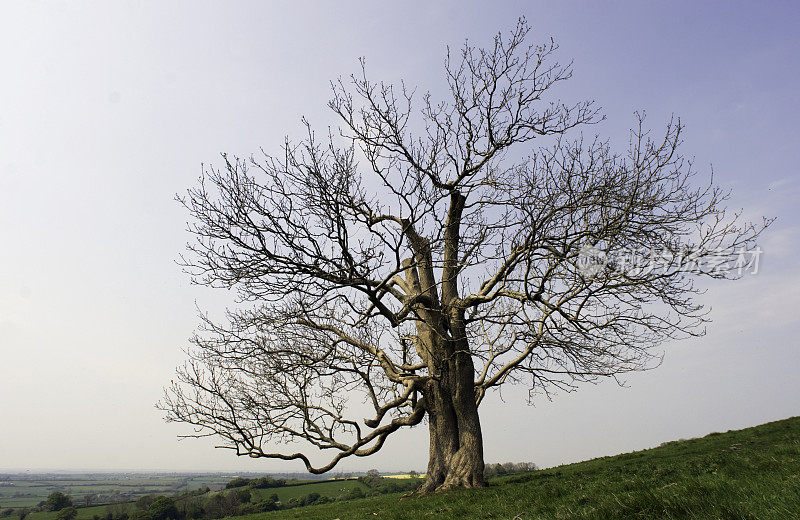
428 252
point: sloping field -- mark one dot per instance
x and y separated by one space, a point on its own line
329 488
749 474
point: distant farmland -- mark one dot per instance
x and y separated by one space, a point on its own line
334 489
92 493
18 491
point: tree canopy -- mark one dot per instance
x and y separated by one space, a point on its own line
429 251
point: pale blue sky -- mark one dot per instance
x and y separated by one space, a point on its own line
107 110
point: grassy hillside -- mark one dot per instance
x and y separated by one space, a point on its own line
331 488
738 475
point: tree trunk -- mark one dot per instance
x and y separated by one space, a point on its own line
456 444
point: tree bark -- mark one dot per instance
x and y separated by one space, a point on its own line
456 443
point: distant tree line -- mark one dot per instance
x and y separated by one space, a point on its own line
508 468
260 483
239 499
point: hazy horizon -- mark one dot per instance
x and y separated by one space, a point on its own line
108 110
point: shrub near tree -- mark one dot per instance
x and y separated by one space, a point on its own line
262 506
371 479
144 502
237 482
190 506
67 513
163 508
267 482
220 505
57 501
119 511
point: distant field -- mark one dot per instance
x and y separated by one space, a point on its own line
330 488
29 492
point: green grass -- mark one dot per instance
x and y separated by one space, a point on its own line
329 488
749 474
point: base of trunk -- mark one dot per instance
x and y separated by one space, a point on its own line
456 443
462 470
448 483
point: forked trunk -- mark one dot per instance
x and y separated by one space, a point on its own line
456 443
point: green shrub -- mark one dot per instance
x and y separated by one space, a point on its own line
237 482
163 508
57 501
67 513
